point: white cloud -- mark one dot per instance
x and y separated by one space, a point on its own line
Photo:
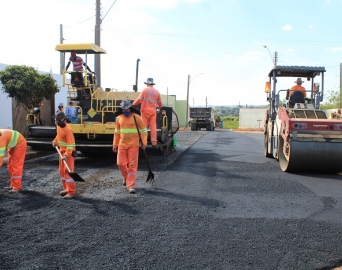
287 27
336 49
227 56
250 56
156 4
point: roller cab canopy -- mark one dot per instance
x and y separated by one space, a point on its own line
296 71
80 48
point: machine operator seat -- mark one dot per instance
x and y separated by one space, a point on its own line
296 97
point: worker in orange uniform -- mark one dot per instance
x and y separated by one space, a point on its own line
66 141
16 145
150 100
297 87
126 143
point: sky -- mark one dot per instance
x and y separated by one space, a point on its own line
218 43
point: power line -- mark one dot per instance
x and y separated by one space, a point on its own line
108 10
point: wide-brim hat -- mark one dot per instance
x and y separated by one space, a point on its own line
125 104
299 80
149 81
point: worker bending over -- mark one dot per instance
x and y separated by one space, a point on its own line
15 145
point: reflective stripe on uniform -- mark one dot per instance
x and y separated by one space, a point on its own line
67 146
14 139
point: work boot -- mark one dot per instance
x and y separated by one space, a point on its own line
124 182
63 193
69 196
13 190
131 190
8 188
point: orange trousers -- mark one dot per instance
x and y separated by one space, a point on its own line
67 182
15 164
127 161
149 119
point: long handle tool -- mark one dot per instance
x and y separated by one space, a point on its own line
150 176
73 175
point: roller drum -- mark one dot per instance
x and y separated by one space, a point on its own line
311 156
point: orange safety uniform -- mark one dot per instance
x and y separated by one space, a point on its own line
149 99
126 138
16 145
66 141
298 88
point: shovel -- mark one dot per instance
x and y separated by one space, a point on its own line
73 175
150 176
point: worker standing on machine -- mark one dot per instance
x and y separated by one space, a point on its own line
15 145
66 141
297 87
77 63
126 143
150 100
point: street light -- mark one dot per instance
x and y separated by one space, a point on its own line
187 99
274 60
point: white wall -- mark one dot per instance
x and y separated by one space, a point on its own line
5 108
252 117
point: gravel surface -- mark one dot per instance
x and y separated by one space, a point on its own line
104 227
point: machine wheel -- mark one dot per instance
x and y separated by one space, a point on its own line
266 154
193 127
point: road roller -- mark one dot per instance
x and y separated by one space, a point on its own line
301 136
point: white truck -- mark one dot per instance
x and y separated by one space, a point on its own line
202 118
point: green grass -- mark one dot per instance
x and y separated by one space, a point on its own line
230 122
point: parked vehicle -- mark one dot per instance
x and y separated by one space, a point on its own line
202 118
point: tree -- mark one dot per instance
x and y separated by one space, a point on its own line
333 100
27 86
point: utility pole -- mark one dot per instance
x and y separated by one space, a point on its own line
61 54
97 57
187 103
275 58
340 85
135 87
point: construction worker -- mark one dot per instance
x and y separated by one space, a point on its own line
297 87
150 100
60 108
77 63
16 145
71 113
65 140
126 143
37 112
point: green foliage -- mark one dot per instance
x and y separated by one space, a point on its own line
27 86
230 122
218 118
333 100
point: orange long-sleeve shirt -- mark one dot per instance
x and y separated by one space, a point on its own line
149 99
126 134
65 139
9 139
298 88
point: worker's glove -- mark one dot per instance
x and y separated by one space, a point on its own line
64 158
54 145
